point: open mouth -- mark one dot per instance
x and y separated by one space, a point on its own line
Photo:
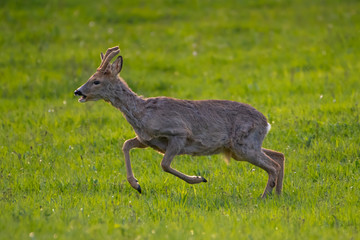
82 96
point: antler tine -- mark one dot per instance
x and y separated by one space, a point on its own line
110 53
110 50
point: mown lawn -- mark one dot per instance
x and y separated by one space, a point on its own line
62 173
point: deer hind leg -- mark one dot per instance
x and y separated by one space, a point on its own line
128 145
260 159
280 159
174 146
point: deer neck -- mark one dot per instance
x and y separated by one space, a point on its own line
127 101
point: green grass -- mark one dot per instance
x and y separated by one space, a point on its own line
62 173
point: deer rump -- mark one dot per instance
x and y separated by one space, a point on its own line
205 127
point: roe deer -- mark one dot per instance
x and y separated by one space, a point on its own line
173 127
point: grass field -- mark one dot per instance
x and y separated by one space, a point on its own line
62 173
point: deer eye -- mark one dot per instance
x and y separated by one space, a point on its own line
96 82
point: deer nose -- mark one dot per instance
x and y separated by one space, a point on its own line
78 93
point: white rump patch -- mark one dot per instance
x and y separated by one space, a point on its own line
268 127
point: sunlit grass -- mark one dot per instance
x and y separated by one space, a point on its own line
62 173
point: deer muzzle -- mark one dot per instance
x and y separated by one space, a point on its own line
79 93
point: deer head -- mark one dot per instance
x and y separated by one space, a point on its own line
98 85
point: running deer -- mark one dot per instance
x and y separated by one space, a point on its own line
173 126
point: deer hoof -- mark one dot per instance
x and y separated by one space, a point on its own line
204 180
139 189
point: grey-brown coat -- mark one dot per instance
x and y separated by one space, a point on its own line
173 127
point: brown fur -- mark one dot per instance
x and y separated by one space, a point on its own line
173 127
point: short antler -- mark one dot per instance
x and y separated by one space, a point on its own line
110 54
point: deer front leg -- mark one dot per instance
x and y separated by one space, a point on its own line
174 146
128 145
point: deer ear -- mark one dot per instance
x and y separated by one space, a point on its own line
117 65
102 56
